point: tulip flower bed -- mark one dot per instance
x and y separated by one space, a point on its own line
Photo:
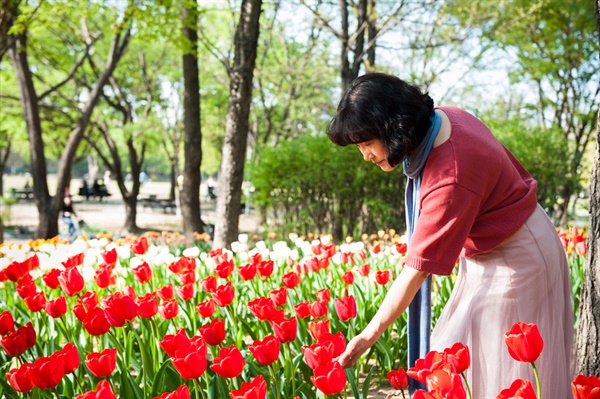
149 318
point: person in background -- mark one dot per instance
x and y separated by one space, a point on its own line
69 217
467 198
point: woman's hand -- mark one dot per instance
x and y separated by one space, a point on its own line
354 350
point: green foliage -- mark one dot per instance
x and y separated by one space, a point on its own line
310 185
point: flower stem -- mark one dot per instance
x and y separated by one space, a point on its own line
537 381
198 389
274 377
466 384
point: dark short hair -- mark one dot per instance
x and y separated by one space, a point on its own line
384 107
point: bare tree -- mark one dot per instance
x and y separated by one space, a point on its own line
241 76
588 333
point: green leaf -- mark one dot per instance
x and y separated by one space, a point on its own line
352 381
157 381
367 384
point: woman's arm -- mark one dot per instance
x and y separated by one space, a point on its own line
395 303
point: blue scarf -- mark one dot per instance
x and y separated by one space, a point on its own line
419 310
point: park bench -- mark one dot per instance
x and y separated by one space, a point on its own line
25 193
166 205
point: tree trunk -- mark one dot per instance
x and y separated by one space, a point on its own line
130 224
190 192
49 207
236 128
173 180
31 114
588 332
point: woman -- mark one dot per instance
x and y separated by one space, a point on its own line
468 198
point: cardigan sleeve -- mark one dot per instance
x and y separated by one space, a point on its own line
447 216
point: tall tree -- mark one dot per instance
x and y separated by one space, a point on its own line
558 61
190 192
237 125
49 206
588 333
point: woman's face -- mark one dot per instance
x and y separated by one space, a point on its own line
375 151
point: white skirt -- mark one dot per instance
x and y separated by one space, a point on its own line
526 279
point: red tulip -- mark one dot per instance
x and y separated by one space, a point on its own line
302 309
447 383
318 328
71 357
263 308
586 387
318 309
71 281
318 354
46 372
265 268
102 364
104 276
290 280
338 340
165 293
111 256
168 309
230 362
51 278
185 292
206 308
172 342
458 356
345 307
398 379
140 247
182 265
87 301
183 392
223 294
266 351
15 271
103 391
130 292
190 362
147 305
423 367
95 322
279 297
7 323
224 269
323 295
187 277
19 340
26 287
142 273
20 379
213 333
519 389
57 307
256 389
73 261
364 270
285 330
329 379
382 276
209 284
36 302
348 277
524 342
119 309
